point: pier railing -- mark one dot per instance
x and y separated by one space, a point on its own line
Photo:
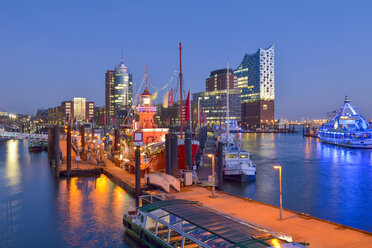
147 199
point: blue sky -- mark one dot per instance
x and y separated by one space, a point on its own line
51 51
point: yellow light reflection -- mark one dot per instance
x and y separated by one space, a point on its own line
12 162
275 242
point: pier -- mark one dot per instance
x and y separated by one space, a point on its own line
301 226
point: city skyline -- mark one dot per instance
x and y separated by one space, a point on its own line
47 57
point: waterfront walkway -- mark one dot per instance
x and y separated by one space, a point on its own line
318 233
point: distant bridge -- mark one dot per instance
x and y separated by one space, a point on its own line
16 135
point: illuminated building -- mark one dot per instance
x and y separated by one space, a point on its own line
213 106
109 93
78 109
256 78
118 93
218 80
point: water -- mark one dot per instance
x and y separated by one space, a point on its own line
325 181
38 211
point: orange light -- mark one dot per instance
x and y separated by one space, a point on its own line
276 243
210 155
277 167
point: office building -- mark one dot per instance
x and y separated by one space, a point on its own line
212 105
78 110
218 80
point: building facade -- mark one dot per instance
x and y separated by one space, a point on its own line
119 92
212 104
109 96
78 109
256 78
218 80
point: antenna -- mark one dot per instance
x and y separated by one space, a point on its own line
121 56
227 98
181 112
147 77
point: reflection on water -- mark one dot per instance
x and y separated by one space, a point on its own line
323 180
38 211
12 165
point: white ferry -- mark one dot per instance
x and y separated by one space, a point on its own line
347 128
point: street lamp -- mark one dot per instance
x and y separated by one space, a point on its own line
212 156
280 183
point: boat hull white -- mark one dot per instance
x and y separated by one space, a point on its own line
366 144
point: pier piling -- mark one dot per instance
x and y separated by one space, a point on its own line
188 149
220 164
57 152
168 168
137 174
68 150
174 154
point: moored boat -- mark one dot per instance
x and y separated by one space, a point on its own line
189 224
238 165
347 128
35 145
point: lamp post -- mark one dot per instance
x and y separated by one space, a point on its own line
212 156
280 183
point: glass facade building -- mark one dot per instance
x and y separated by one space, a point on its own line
255 76
122 87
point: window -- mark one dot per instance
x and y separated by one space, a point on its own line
175 239
162 232
150 224
188 243
265 107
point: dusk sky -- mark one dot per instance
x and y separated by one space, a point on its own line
51 51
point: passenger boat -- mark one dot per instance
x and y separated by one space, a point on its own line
347 128
35 145
189 224
238 165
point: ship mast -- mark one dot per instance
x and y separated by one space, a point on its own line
181 117
227 99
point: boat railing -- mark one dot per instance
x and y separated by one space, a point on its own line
148 199
279 235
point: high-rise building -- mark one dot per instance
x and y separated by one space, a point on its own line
256 78
118 92
218 80
109 92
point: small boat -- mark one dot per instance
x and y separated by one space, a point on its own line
347 128
189 224
35 145
238 165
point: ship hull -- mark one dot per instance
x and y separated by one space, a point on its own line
347 143
157 160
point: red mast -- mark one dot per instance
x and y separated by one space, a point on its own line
181 117
147 77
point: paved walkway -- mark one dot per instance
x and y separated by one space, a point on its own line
314 231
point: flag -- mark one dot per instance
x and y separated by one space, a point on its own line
165 100
187 107
155 95
170 98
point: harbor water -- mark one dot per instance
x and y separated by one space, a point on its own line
325 181
36 210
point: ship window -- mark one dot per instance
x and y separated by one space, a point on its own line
244 156
188 243
150 224
162 232
231 156
175 239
